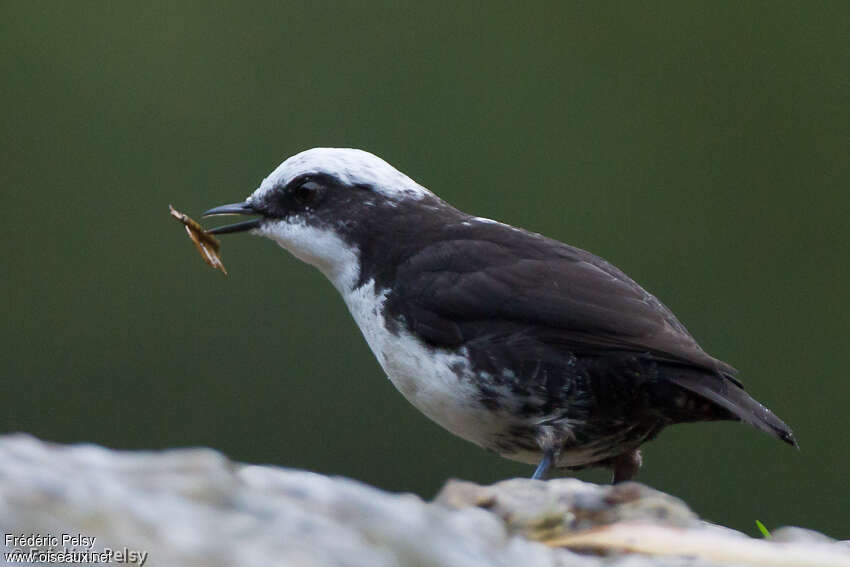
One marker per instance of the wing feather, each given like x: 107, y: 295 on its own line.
x: 523, y: 302
x: 568, y: 295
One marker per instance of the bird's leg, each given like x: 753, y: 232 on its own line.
x: 625, y: 466
x: 550, y: 443
x: 545, y: 463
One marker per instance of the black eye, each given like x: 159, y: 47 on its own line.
x: 307, y: 192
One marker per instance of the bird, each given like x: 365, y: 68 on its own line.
x: 526, y: 346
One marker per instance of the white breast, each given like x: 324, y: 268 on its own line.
x: 438, y: 383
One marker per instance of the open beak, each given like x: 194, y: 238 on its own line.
x: 234, y: 209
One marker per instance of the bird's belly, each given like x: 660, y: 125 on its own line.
x: 438, y: 383
x: 432, y: 383
x: 443, y: 386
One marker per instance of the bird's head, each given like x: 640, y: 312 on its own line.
x: 319, y: 203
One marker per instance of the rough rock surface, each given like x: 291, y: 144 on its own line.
x: 195, y: 507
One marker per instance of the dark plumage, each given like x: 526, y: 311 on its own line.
x: 578, y: 362
x: 580, y: 339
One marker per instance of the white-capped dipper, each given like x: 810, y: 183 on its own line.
x: 526, y: 346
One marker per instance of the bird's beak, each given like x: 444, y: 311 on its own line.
x: 234, y: 209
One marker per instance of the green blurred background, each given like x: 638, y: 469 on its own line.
x: 702, y: 147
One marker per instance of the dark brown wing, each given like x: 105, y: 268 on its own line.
x: 570, y: 295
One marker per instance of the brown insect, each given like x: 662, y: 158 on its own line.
x: 207, y: 244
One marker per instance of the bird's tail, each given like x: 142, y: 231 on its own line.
x: 731, y: 397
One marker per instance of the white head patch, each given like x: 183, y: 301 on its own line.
x: 351, y: 167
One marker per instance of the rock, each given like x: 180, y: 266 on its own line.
x: 794, y: 534
x: 191, y: 507
x: 545, y: 509
x: 631, y: 517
